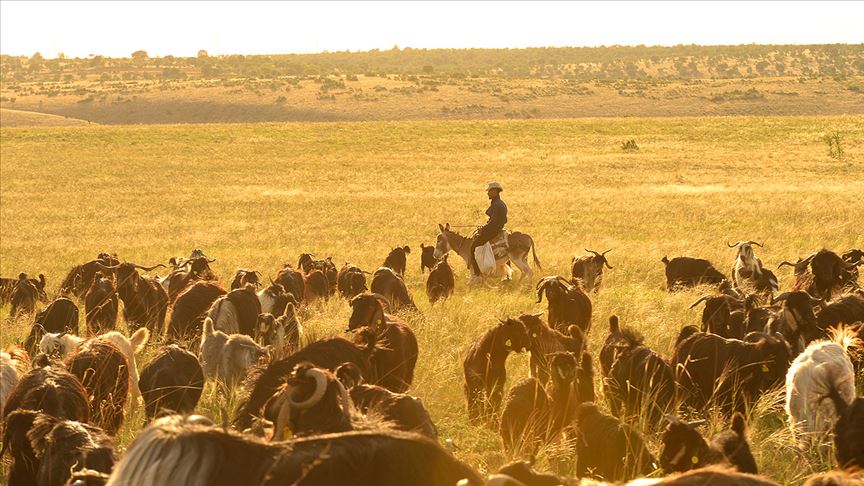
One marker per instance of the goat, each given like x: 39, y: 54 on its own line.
x: 13, y: 364
x: 317, y: 286
x: 823, y: 366
x: 61, y: 315
x: 274, y: 299
x: 608, y: 448
x: 292, y: 281
x: 795, y: 319
x: 846, y: 309
x: 546, y: 341
x: 104, y: 372
x: 533, y: 416
x: 64, y: 446
x: 350, y: 281
x: 397, y: 260
x: 180, y: 279
x: 836, y: 478
x: 485, y: 373
x: 145, y: 301
x: 326, y: 266
x: 588, y: 269
x: 718, y: 316
x: 403, y: 411
x: 756, y: 317
x: 441, y: 281
x: 748, y: 272
x: 190, y: 308
x: 171, y: 382
x: 63, y: 344
x: 311, y: 402
x: 50, y: 390
x: 24, y: 296
x: 427, y: 257
x: 8, y: 286
x: 80, y: 277
x: 831, y: 274
x: 395, y: 353
x: 101, y: 304
x: 684, y: 448
x: 282, y: 333
x: 226, y: 358
x: 709, y: 367
x: 162, y: 453
x: 245, y: 276
x: 568, y: 304
x: 388, y: 283
x: 848, y: 430
x: 635, y: 378
x: 690, y: 272
x: 237, y: 311
x: 264, y: 380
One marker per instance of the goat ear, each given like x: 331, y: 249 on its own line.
x: 407, y: 249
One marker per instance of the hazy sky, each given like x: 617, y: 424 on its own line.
x: 182, y: 28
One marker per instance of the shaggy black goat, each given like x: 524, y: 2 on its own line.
x: 568, y: 304
x: 171, y: 382
x: 607, y: 448
x: 684, y: 448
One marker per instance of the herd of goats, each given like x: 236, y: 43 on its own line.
x: 336, y: 411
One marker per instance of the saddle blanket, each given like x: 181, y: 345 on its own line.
x: 499, y: 245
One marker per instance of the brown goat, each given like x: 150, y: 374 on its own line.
x: 24, y: 296
x: 145, y: 301
x: 101, y: 305
x: 485, y: 373
x: 395, y: 354
x: 403, y: 411
x: 427, y: 257
x: 171, y: 382
x: 60, y: 316
x: 728, y: 371
x: 245, y: 276
x: 104, y: 372
x: 723, y: 315
x: 396, y: 260
x: 8, y: 286
x: 351, y: 281
x: 80, y: 277
x: 317, y: 286
x: 684, y: 448
x: 264, y: 380
x: 180, y: 279
x: 441, y: 282
x: 607, y: 448
x: 546, y: 341
x: 326, y: 266
x: 568, y: 304
x: 237, y: 311
x: 311, y: 402
x: 292, y: 281
x: 388, y: 283
x: 190, y: 308
x: 533, y: 416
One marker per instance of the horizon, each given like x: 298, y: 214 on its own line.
x: 181, y: 29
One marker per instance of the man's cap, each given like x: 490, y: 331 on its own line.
x: 494, y: 185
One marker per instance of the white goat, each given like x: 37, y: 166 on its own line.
x: 64, y: 343
x: 13, y: 364
x: 822, y: 366
x: 227, y: 357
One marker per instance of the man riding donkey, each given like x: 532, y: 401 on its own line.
x: 497, y: 213
x: 507, y: 247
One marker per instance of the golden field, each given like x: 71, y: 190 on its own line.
x: 257, y: 195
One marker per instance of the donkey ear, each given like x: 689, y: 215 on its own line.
x: 407, y: 249
x: 447, y: 226
x: 440, y: 227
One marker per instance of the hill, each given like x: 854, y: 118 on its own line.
x: 18, y: 118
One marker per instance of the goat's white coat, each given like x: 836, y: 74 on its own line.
x: 267, y: 300
x: 10, y: 374
x: 65, y: 344
x: 823, y: 365
x: 227, y: 357
x: 224, y: 316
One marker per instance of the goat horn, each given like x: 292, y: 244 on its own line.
x: 758, y: 244
x: 320, y: 388
x: 149, y: 269
x: 346, y: 402
x: 701, y: 299
x: 784, y: 263
x: 695, y: 423
x: 592, y: 251
x: 732, y: 246
x: 605, y: 252
x: 210, y: 260
x: 780, y: 298
x: 106, y: 267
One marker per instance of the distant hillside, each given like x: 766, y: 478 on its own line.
x: 19, y: 118
x: 580, y: 63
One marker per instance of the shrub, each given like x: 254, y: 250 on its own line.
x: 834, y: 140
x: 630, y: 146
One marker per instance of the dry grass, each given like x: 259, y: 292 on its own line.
x: 18, y: 118
x: 392, y: 98
x: 258, y: 195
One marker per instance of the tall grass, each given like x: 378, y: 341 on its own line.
x: 256, y: 196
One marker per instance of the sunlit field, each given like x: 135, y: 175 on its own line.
x: 256, y: 196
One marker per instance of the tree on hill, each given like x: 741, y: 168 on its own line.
x: 139, y: 55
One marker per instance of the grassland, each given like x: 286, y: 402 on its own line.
x: 258, y: 195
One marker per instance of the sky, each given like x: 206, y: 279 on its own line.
x: 117, y: 29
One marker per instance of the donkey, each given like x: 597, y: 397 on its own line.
x: 519, y: 244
